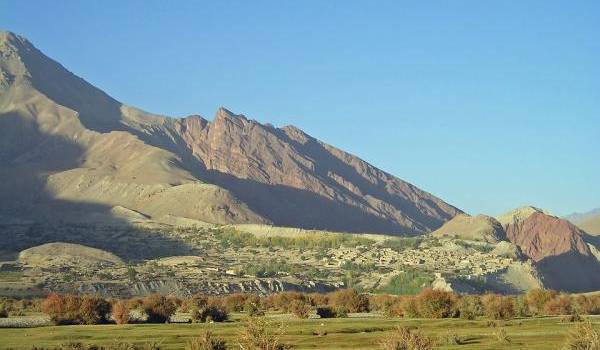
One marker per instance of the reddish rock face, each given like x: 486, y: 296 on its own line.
x: 559, y: 250
x: 295, y: 180
x: 540, y: 236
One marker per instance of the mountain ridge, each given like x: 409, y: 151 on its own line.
x: 261, y: 174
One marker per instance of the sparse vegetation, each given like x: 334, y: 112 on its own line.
x: 206, y: 341
x: 261, y: 334
x: 405, y: 339
x: 583, y: 337
x: 407, y: 282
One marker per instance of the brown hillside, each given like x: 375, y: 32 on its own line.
x: 66, y: 144
x: 475, y: 228
x: 559, y: 250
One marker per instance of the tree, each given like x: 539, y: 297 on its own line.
x: 158, y: 308
x: 94, y: 310
x: 498, y: 307
x: 300, y: 309
x: 120, y: 312
x: 349, y: 300
x: 560, y: 305
x: 434, y: 303
x: 537, y: 298
x: 470, y: 306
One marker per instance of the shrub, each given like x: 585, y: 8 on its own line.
x: 283, y: 301
x: 583, y: 337
x: 115, y: 346
x: 325, y: 312
x: 319, y: 299
x: 407, y: 283
x: 502, y: 336
x: 61, y: 309
x: 236, y: 302
x: 498, y: 307
x: 214, y: 312
x: 120, y: 312
x: 390, y: 306
x: 560, y: 305
x: 300, y: 309
x: 198, y: 301
x: 404, y: 339
x: 573, y: 317
x: 3, y: 312
x: 450, y: 338
x: 521, y: 307
x: 587, y: 305
x: 349, y: 300
x: 470, y: 307
x: 537, y: 298
x: 94, y: 310
x: 253, y: 307
x: 158, y: 308
x: 207, y: 341
x: 260, y: 334
x: 410, y: 308
x: 433, y: 303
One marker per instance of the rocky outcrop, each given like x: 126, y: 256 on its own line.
x: 559, y: 250
x: 184, y: 288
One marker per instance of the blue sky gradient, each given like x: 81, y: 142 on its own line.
x: 488, y: 104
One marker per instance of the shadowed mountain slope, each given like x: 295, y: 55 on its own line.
x: 560, y: 251
x: 62, y: 139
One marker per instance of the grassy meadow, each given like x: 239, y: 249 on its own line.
x: 360, y: 332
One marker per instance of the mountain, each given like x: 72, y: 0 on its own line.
x: 474, y: 228
x: 559, y: 250
x: 519, y: 214
x: 591, y: 225
x: 68, y: 150
x: 589, y: 221
x: 578, y: 218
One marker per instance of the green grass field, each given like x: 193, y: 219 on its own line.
x: 350, y: 333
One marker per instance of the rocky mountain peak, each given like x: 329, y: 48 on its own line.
x: 541, y: 235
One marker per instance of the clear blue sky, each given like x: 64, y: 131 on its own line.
x: 488, y: 104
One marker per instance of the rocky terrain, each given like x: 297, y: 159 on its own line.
x: 246, y: 258
x: 560, y: 251
x: 70, y: 151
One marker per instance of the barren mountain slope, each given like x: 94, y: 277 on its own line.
x: 295, y: 180
x: 559, y: 250
x: 76, y: 144
x: 64, y: 155
x: 475, y: 228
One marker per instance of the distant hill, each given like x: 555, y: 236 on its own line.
x: 591, y: 225
x: 578, y: 218
x: 69, y: 150
x: 478, y: 228
x: 589, y: 221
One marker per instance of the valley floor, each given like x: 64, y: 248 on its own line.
x: 360, y: 332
